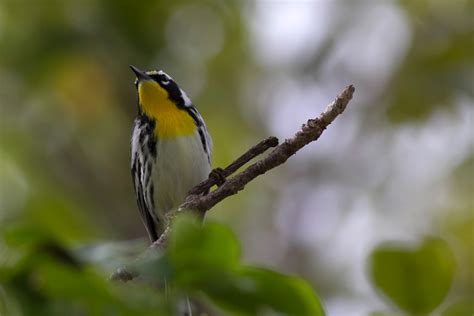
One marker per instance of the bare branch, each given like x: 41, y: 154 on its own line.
x: 253, y: 152
x: 197, y: 199
x: 308, y: 133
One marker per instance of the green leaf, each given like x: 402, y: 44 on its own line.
x: 210, y: 247
x: 286, y: 294
x: 464, y: 307
x: 416, y: 280
x: 24, y: 235
x: 66, y: 282
x: 85, y: 288
x: 151, y: 266
x: 253, y: 290
x: 205, y: 259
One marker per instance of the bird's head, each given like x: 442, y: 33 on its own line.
x: 156, y: 89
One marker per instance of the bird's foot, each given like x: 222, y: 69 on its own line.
x: 218, y: 175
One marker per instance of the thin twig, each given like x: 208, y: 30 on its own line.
x: 198, y: 201
x: 253, y: 152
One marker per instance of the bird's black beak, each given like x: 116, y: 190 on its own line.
x: 141, y: 75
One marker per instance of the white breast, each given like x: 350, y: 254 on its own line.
x: 181, y: 163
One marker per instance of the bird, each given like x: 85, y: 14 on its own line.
x: 170, y: 148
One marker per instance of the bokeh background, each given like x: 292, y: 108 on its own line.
x: 398, y: 165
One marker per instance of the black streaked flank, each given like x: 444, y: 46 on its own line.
x: 147, y: 127
x: 142, y: 205
x: 142, y: 170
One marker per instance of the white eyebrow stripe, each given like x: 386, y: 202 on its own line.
x: 152, y: 72
x: 158, y: 72
x: 184, y: 96
x: 161, y: 72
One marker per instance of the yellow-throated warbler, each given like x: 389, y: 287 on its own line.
x: 171, y: 148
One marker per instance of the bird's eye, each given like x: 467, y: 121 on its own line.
x: 165, y: 82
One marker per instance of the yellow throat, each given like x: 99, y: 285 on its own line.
x: 171, y: 121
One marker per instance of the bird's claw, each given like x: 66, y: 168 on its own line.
x: 218, y: 175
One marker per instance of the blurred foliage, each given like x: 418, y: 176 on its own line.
x: 464, y: 307
x: 416, y: 280
x: 207, y: 260
x: 45, y: 278
x: 41, y: 275
x: 67, y: 103
x: 460, y: 231
x: 441, y: 44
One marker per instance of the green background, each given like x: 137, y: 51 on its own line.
x: 396, y: 167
